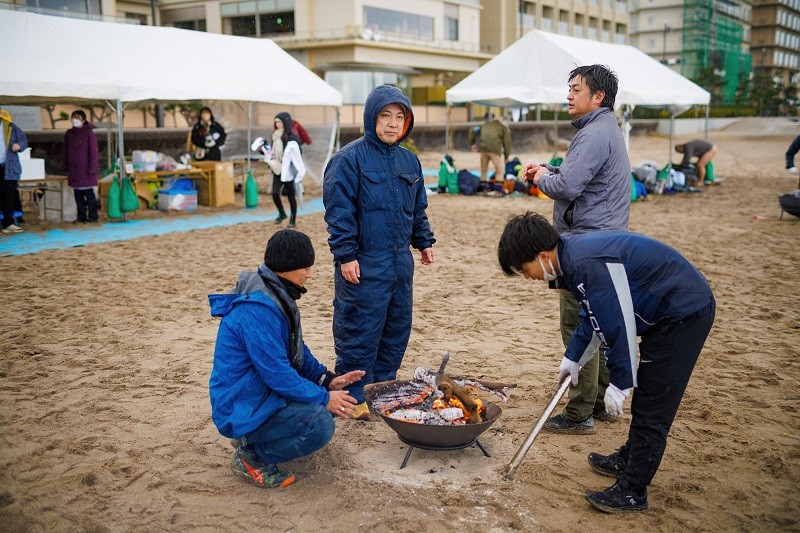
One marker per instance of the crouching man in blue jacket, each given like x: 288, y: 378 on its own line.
x: 628, y: 285
x: 268, y: 392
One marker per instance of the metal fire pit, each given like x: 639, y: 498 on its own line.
x: 432, y: 437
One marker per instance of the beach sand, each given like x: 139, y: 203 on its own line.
x: 107, y: 350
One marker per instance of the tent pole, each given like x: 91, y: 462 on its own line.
x: 447, y: 127
x: 121, y: 149
x: 555, y: 129
x: 333, y: 143
x: 671, y: 132
x: 249, y: 134
x: 708, y: 112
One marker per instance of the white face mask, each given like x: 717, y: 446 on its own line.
x: 546, y: 275
x: 77, y: 122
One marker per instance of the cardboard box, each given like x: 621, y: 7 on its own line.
x: 219, y: 190
x: 177, y: 200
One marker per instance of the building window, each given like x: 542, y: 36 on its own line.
x: 138, y: 17
x: 398, y: 24
x: 356, y: 85
x: 191, y: 18
x: 451, y: 22
x: 89, y: 7
x: 258, y: 19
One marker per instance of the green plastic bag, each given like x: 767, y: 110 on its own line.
x: 555, y: 161
x: 128, y: 199
x: 250, y: 191
x: 112, y: 200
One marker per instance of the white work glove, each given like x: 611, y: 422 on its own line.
x: 614, y: 399
x: 568, y: 367
x: 215, y: 136
x: 793, y: 170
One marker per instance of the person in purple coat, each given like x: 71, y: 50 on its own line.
x: 80, y: 162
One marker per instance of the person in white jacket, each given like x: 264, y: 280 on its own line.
x: 287, y: 167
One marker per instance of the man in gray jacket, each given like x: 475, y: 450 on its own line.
x: 591, y: 190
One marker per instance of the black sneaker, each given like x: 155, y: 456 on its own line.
x: 609, y: 465
x: 562, y: 424
x: 280, y: 218
x: 601, y: 415
x: 266, y: 475
x: 618, y: 499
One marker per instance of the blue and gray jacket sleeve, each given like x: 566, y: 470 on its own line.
x: 421, y: 236
x: 606, y: 316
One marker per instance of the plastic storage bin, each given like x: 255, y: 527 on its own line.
x: 177, y: 200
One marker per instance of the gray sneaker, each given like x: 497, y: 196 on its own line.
x: 562, y: 424
x: 601, y: 415
x: 13, y: 228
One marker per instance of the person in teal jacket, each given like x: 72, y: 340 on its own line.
x: 268, y: 392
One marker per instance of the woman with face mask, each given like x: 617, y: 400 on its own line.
x: 80, y: 157
x: 208, y: 136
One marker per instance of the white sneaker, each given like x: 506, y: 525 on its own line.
x: 13, y: 228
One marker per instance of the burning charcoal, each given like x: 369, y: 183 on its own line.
x: 499, y: 389
x: 451, y: 413
x: 417, y: 416
x: 407, y: 394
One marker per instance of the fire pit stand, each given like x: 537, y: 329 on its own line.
x: 412, y: 445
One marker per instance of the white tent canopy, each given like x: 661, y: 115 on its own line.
x: 534, y: 70
x: 59, y: 59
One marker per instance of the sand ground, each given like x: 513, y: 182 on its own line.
x: 107, y: 349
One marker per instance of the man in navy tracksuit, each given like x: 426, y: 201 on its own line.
x: 628, y: 285
x: 375, y: 201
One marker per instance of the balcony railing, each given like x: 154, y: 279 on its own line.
x: 350, y: 32
x: 606, y: 36
x: 526, y: 21
x: 563, y: 28
x: 547, y: 24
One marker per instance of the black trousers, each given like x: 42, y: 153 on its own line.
x: 86, y: 201
x: 288, y: 189
x: 666, y: 359
x: 8, y: 197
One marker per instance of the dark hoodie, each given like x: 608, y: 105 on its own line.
x: 374, y: 193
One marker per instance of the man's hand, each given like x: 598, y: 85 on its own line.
x: 473, y: 147
x: 340, y: 382
x: 15, y: 147
x: 531, y: 169
x: 341, y: 404
x: 568, y: 367
x: 614, y: 398
x: 793, y: 170
x: 426, y: 256
x: 351, y: 272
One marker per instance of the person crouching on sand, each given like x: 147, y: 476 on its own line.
x: 628, y: 285
x: 268, y: 392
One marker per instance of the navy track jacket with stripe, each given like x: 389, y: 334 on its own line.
x: 626, y: 283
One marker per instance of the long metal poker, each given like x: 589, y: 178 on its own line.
x: 520, y: 455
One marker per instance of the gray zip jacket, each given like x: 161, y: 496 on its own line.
x: 592, y: 187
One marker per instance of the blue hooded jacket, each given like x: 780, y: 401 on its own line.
x: 373, y: 192
x: 627, y: 284
x: 253, y: 376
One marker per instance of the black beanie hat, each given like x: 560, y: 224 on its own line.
x: 288, y: 250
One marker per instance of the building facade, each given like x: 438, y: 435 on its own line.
x: 504, y: 21
x: 776, y: 39
x: 697, y: 37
